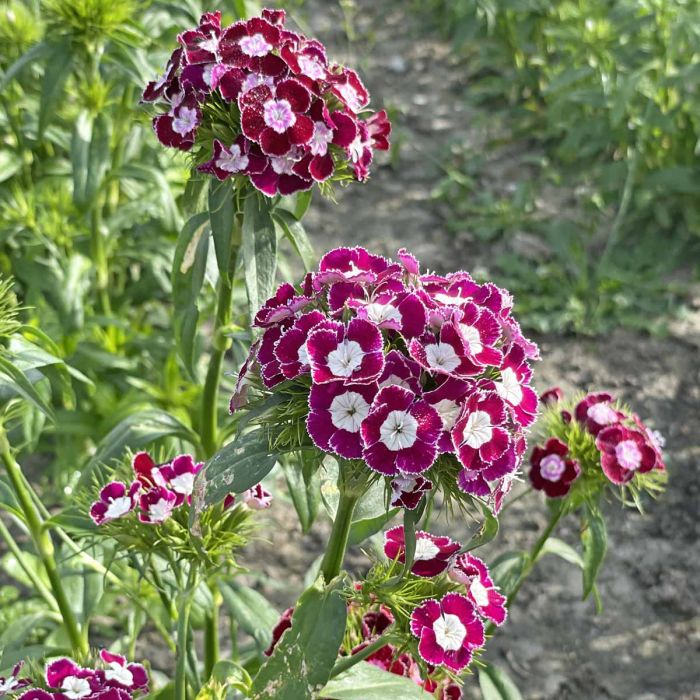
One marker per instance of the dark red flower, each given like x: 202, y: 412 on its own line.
x: 551, y: 471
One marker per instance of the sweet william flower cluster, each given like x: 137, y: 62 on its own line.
x: 417, y: 375
x: 265, y: 103
x: 114, y: 679
x: 624, y: 448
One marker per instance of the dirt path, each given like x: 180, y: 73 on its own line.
x: 646, y: 645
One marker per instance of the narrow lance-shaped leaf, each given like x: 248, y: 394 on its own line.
x: 258, y: 252
x: 594, y: 537
x: 79, y: 155
x: 99, y: 156
x: 368, y: 682
x: 222, y: 210
x: 294, y: 231
x: 252, y: 611
x: 495, y: 684
x: 189, y: 267
x: 58, y: 66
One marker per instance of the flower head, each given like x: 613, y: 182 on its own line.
x: 12, y: 684
x: 596, y: 411
x: 432, y: 556
x: 480, y: 589
x: 449, y: 630
x: 553, y: 471
x: 257, y: 497
x: 116, y: 500
x: 624, y: 452
x: 297, y: 115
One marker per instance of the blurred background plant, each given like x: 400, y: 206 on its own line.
x: 597, y: 102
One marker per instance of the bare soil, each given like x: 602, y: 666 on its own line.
x: 646, y: 644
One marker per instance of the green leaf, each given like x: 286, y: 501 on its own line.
x: 252, y: 611
x: 36, y: 52
x: 563, y: 550
x: 222, y: 210
x: 233, y: 469
x: 364, y: 681
x: 134, y: 432
x: 294, y: 231
x: 495, y: 684
x: 59, y: 62
x: 303, y: 201
x: 594, y: 538
x: 304, y: 657
x: 10, y: 163
x: 79, y: 156
x: 487, y: 532
x: 507, y: 568
x: 189, y: 267
x: 99, y: 155
x: 258, y: 252
x: 301, y: 470
x: 19, y: 381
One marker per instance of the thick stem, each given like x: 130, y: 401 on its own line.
x: 209, y: 423
x: 44, y: 547
x: 532, y: 558
x: 338, y: 541
x: 183, y: 629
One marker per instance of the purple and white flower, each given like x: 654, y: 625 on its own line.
x: 433, y: 554
x: 116, y: 500
x: 157, y: 505
x: 481, y: 591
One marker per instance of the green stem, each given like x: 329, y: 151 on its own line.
x: 183, y: 628
x: 44, y: 547
x: 349, y: 661
x: 532, y: 558
x: 209, y: 423
x: 36, y: 582
x: 211, y: 635
x: 338, y: 541
x: 99, y: 257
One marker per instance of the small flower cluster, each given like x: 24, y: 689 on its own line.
x: 622, y: 446
x: 406, y: 371
x: 158, y: 490
x: 449, y: 629
x: 116, y: 679
x: 267, y: 104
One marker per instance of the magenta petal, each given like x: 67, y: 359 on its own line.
x: 424, y: 616
x: 266, y: 181
x: 252, y: 122
x: 321, y: 167
x: 429, y: 649
x: 59, y: 669
x: 295, y: 93
x: 272, y: 143
x: 301, y: 131
x: 289, y: 184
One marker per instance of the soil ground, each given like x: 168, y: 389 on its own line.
x: 646, y: 644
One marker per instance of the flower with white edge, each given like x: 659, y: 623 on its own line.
x: 116, y: 500
x: 480, y: 589
x: 449, y: 630
x: 432, y: 556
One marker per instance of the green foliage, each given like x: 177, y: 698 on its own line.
x: 366, y: 681
x: 600, y: 99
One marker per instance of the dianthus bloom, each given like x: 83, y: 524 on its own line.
x: 449, y: 630
x: 159, y: 490
x: 595, y: 437
x: 404, y: 371
x: 114, y: 679
x: 552, y: 470
x: 433, y: 553
x: 481, y: 590
x: 292, y: 117
x: 12, y: 683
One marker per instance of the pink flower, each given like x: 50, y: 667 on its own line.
x: 238, y: 158
x: 596, y: 412
x: 407, y: 491
x: 448, y: 400
x: 291, y: 351
x: 157, y: 505
x: 551, y: 396
x: 337, y: 412
x: 178, y: 476
x: 120, y: 674
x: 433, y: 553
x: 355, y: 265
x: 481, y: 591
x: 116, y: 500
x: 346, y: 353
x: 447, y: 354
x: 400, y: 433
x: 655, y: 439
x: 481, y: 436
x: 144, y: 466
x: 12, y: 684
x: 514, y: 386
x: 400, y: 370
x: 551, y: 471
x: 270, y: 367
x: 283, y: 306
x: 74, y: 681
x: 376, y: 622
x: 257, y: 497
x: 623, y: 453
x: 449, y: 630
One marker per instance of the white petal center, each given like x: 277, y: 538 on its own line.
x: 471, y: 335
x: 552, y: 467
x: 184, y: 483
x: 602, y: 414
x: 346, y: 358
x: 449, y: 412
x: 118, y: 507
x: 442, y: 356
x: 426, y: 549
x: 232, y: 161
x: 449, y: 632
x: 478, y: 429
x: 159, y: 511
x: 381, y: 313
x: 120, y: 674
x: 399, y: 430
x: 628, y: 455
x: 479, y: 592
x: 74, y: 687
x: 349, y: 410
x: 509, y: 388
